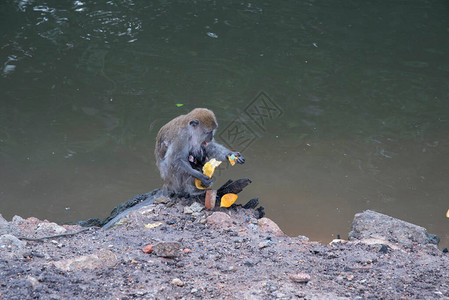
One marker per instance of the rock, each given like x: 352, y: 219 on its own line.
x: 148, y: 248
x: 263, y: 244
x: 46, y: 228
x: 32, y: 281
x: 219, y: 219
x: 197, y: 215
x: 161, y: 199
x: 194, y: 208
x: 268, y: 226
x: 337, y: 241
x: 177, y: 282
x: 300, y: 277
x: 373, y: 225
x: 103, y: 259
x: 303, y: 238
x: 4, y: 226
x: 17, y: 220
x: 167, y: 249
x: 11, y: 247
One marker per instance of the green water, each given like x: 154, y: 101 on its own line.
x: 360, y: 91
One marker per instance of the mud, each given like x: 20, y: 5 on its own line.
x: 221, y: 254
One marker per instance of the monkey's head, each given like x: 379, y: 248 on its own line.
x: 202, y: 125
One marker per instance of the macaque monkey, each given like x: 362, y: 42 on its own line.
x: 183, y: 146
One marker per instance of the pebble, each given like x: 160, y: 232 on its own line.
x: 167, y: 249
x: 194, y: 208
x: 162, y: 199
x: 263, y: 244
x: 148, y: 248
x: 177, y: 282
x: 300, y: 277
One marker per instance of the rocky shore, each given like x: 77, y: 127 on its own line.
x: 179, y: 250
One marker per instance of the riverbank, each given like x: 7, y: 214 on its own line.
x: 165, y: 251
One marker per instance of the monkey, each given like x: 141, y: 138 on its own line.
x: 183, y: 146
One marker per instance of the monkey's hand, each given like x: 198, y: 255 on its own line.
x: 205, y: 180
x: 238, y: 157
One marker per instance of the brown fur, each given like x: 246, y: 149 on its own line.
x: 171, y: 130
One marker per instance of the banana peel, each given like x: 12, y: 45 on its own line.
x: 228, y: 199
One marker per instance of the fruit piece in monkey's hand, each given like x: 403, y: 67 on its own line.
x: 232, y: 159
x: 236, y: 157
x: 208, y: 170
x: 228, y: 199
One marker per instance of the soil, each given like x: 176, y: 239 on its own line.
x: 221, y: 254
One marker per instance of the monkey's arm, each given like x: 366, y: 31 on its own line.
x: 186, y: 167
x: 220, y: 152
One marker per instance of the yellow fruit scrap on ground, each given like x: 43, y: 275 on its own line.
x: 228, y: 199
x: 208, y: 170
x: 153, y: 225
x: 447, y: 214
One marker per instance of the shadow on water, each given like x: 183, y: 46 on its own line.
x: 85, y: 86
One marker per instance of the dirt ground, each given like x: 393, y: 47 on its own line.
x: 220, y: 254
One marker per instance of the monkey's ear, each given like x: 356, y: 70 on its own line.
x: 194, y: 123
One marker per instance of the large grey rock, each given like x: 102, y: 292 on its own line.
x: 11, y: 247
x: 268, y: 226
x: 373, y: 225
x: 4, y: 226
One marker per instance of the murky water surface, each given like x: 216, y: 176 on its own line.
x: 354, y: 109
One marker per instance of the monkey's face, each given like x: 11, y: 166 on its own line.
x: 209, y: 135
x: 200, y: 135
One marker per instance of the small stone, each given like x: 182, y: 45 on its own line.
x: 187, y: 251
x: 194, y: 208
x: 167, y: 249
x: 263, y: 244
x: 148, y: 248
x: 50, y: 227
x: 197, y: 215
x: 219, y: 219
x: 193, y: 291
x: 162, y: 199
x: 177, y: 282
x: 300, y: 277
x: 33, y: 281
x: 303, y: 238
